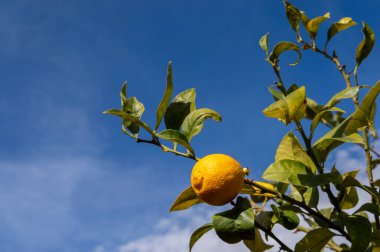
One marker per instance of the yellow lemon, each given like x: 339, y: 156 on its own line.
x: 217, y: 179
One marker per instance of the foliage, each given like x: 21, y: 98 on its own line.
x: 289, y: 195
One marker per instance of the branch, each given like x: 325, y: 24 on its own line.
x: 283, y: 246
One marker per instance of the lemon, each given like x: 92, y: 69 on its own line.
x: 217, y: 179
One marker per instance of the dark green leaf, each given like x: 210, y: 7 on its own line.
x: 193, y: 122
x: 175, y: 137
x: 186, y: 199
x: 312, y: 25
x: 123, y: 95
x: 166, y: 98
x: 369, y: 207
x: 309, y: 195
x: 359, y: 230
x: 287, y: 218
x: 264, y: 43
x: 315, y: 240
x: 366, y: 45
x: 286, y: 171
x: 134, y: 108
x: 351, y: 181
x: 317, y: 180
x: 257, y: 244
x: 291, y: 108
x: 236, y: 224
x: 283, y: 47
x: 265, y: 219
x: 290, y: 148
x: 199, y: 233
x: 339, y: 26
x: 182, y: 105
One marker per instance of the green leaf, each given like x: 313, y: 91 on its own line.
x: 290, y: 148
x: 182, y: 105
x: 315, y: 240
x: 277, y: 94
x: 369, y: 207
x: 291, y: 108
x: 309, y: 195
x: 317, y: 119
x: 199, y: 233
x: 193, y: 122
x: 351, y: 181
x: 286, y: 171
x: 166, y: 98
x: 236, y: 224
x: 366, y: 45
x: 347, y: 93
x: 339, y: 26
x: 134, y: 108
x: 286, y: 218
x: 313, y: 180
x: 359, y: 230
x: 362, y: 116
x: 293, y: 15
x: 312, y: 25
x: 123, y: 94
x: 257, y: 244
x: 335, y: 137
x: 131, y: 118
x: 186, y: 199
x: 264, y: 43
x: 176, y: 137
x: 350, y: 198
x: 283, y: 47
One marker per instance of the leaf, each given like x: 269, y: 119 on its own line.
x: 366, y: 45
x: 319, y: 117
x: 361, y: 117
x: 134, y: 108
x: 283, y: 47
x: 350, y: 198
x: 369, y: 207
x: 315, y: 240
x: 308, y: 195
x: 332, y: 139
x: 277, y: 94
x: 176, y: 137
x: 286, y: 218
x: 236, y: 224
x: 285, y: 171
x: 359, y: 230
x: 312, y: 25
x: 315, y: 180
x: 186, y: 199
x: 291, y: 108
x: 293, y: 15
x: 125, y: 116
x: 166, y: 98
x: 257, y: 244
x: 264, y: 43
x: 180, y: 107
x: 123, y: 94
x: 339, y: 26
x: 199, y: 233
x: 347, y: 93
x: 193, y: 122
x: 351, y: 181
x: 290, y: 148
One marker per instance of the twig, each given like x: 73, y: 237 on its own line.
x: 283, y: 246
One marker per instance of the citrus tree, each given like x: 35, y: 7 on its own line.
x: 292, y: 185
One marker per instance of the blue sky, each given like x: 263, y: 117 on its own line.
x: 69, y: 179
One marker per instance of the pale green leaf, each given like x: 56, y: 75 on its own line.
x: 315, y: 240
x: 290, y: 148
x: 176, y: 137
x: 283, y: 47
x: 257, y: 244
x: 290, y: 108
x: 193, y: 122
x: 133, y: 119
x: 286, y: 171
x: 339, y: 26
x: 347, y: 93
x: 312, y: 25
x: 317, y: 119
x: 199, y: 233
x: 264, y: 43
x: 166, y: 98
